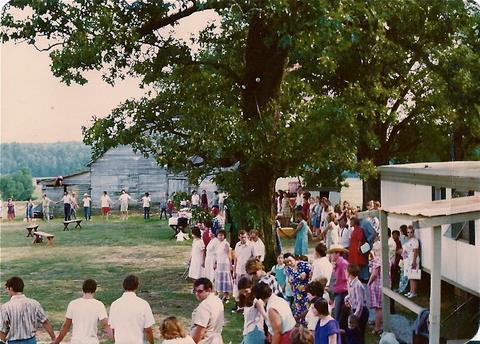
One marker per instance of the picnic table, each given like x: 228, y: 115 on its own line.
x: 40, y: 235
x: 179, y: 223
x: 66, y: 223
x: 30, y: 229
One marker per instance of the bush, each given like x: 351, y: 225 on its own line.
x: 18, y: 186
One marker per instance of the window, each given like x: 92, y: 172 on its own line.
x: 464, y: 231
x: 438, y: 193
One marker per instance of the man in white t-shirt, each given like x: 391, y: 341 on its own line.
x: 131, y: 317
x: 207, y: 318
x: 84, y: 313
x: 195, y: 200
x: 258, y: 245
x: 124, y: 197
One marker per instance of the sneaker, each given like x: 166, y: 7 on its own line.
x: 412, y: 295
x: 407, y: 294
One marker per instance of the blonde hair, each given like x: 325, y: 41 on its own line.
x: 254, y: 264
x: 171, y: 328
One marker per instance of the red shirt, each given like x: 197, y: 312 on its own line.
x: 206, y: 236
x: 356, y: 240
x: 306, y: 210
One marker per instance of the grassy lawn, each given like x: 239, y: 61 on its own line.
x: 105, y: 251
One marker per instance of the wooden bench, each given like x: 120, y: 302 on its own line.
x: 30, y: 229
x: 66, y: 223
x: 40, y: 235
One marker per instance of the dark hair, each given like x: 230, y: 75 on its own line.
x: 403, y: 229
x: 261, y: 291
x: 147, y: 194
x: 303, y: 258
x: 104, y: 192
x: 196, y: 232
x: 321, y: 306
x: 208, y: 223
x: 356, y: 221
x: 89, y: 286
x: 301, y: 335
x: 222, y: 232
x: 130, y: 283
x: 353, y: 270
x: 203, y: 281
x: 321, y: 249
x: 286, y: 255
x: 316, y: 288
x: 15, y: 283
x: 244, y: 283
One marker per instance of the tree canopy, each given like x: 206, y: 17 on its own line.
x: 274, y: 87
x: 44, y: 159
x: 18, y: 186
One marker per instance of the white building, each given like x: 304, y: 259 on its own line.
x: 426, y: 182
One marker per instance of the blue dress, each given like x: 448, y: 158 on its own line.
x: 298, y: 280
x: 301, y: 240
x: 323, y: 332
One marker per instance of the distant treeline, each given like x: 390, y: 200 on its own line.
x: 44, y: 159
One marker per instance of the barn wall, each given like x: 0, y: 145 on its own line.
x: 121, y: 168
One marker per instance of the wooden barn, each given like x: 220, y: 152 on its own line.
x: 119, y: 168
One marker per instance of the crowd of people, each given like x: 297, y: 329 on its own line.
x: 323, y: 299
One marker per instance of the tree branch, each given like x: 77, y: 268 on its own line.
x: 160, y: 20
x: 49, y: 47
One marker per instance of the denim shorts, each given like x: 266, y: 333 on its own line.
x: 32, y: 340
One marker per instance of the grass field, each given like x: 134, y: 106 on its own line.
x: 105, y: 251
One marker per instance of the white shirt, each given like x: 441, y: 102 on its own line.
x: 85, y: 314
x: 321, y: 267
x: 243, y: 252
x: 105, y: 201
x: 195, y: 199
x: 258, y: 248
x: 344, y: 236
x: 146, y: 201
x: 392, y: 248
x: 129, y: 316
x: 124, y: 198
x: 86, y: 201
x: 179, y: 340
x: 209, y: 315
x: 67, y: 199
x: 311, y: 319
x: 252, y: 319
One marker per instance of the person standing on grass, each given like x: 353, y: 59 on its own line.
x: 258, y: 245
x: 84, y: 313
x: 29, y: 210
x: 20, y: 316
x: 46, y: 207
x: 124, y: 197
x: 163, y: 208
x: 147, y: 201
x: 10, y: 210
x: 74, y: 206
x: 87, y: 207
x: 208, y: 317
x: 131, y: 317
x: 356, y: 300
x: 105, y: 203
x: 195, y: 200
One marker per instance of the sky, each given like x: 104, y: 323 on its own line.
x: 36, y: 107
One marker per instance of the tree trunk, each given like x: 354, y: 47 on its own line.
x: 266, y: 215
x: 371, y: 191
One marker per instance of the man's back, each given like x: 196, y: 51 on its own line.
x: 21, y: 316
x: 85, y: 314
x: 129, y: 316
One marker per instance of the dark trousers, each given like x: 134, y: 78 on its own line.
x: 67, y: 211
x: 146, y: 213
x: 362, y: 324
x: 163, y: 211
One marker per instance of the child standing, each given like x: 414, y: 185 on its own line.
x: 29, y: 210
x: 352, y: 333
x: 278, y: 271
x: 10, y: 210
x: 253, y: 313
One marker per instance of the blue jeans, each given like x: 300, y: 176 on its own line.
x: 67, y: 210
x: 32, y: 340
x: 87, y: 213
x: 339, y: 300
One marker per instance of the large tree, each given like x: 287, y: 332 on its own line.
x: 274, y: 88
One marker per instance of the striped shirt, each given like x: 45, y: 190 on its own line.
x: 356, y: 296
x: 20, y: 317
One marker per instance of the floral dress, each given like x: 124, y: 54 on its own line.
x: 298, y: 279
